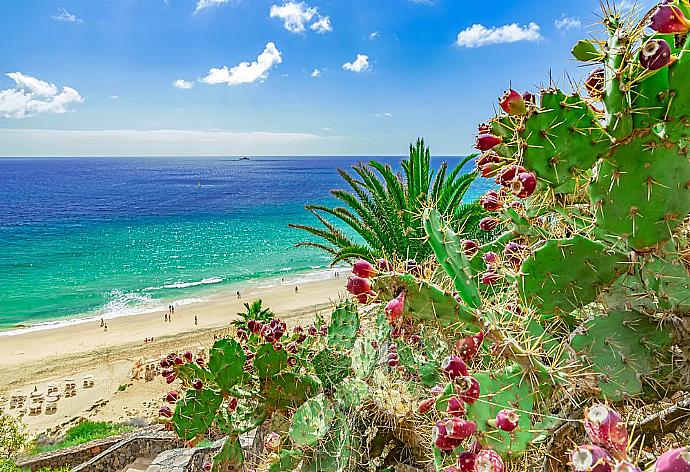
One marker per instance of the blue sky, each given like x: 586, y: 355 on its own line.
x: 98, y: 77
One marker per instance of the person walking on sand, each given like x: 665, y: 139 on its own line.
x: 238, y: 294
x: 166, y: 317
x: 105, y: 327
x: 296, y: 289
x: 102, y: 322
x: 196, y: 320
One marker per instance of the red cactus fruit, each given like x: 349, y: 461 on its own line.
x: 172, y: 396
x: 488, y: 158
x: 393, y: 362
x: 456, y: 407
x: 198, y: 384
x: 490, y: 277
x: 277, y: 346
x: 242, y: 335
x: 513, y: 103
x: 529, y: 98
x: 484, y: 128
x: 415, y: 339
x: 312, y: 330
x: 507, y: 420
x: 362, y: 268
x: 167, y: 372
x: 439, y: 435
x: 475, y: 447
x: 467, y: 388
x: 165, y: 411
x: 426, y: 405
x: 490, y: 170
x: 178, y: 360
x: 516, y: 205
x: 509, y: 174
x: 470, y: 247
x: 524, y: 184
x: 466, y: 461
x: 292, y: 347
x: 253, y: 326
x: 358, y: 285
x: 606, y: 428
x: 292, y: 361
x: 232, y: 404
x: 323, y: 331
x: 362, y: 299
x: 490, y: 201
x: 298, y: 329
x: 170, y: 379
x: 655, y: 54
x: 384, y: 265
x: 272, y: 442
x: 513, y: 252
x: 595, y: 83
x: 436, y: 390
x: 188, y: 356
x: 488, y: 460
x: 487, y: 141
x: 675, y: 460
x: 626, y: 466
x: 467, y: 348
x: 488, y: 223
x: 590, y: 458
x: 396, y: 333
x: 458, y: 428
x: 490, y: 258
x: 394, y: 308
x: 453, y: 366
x: 165, y: 363
x: 200, y: 361
x: 669, y: 19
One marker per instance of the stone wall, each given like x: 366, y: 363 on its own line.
x: 146, y: 444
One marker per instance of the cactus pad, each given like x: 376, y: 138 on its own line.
x: 331, y: 367
x: 344, y: 325
x: 290, y: 390
x: 226, y: 362
x: 229, y: 457
x: 364, y: 355
x: 563, y: 139
x: 507, y: 388
x: 350, y: 393
x: 565, y: 274
x: 288, y: 461
x: 423, y: 300
x: 335, y: 453
x: 621, y: 348
x: 642, y: 191
x: 269, y: 362
x: 311, y: 421
x: 194, y: 414
x: 669, y: 281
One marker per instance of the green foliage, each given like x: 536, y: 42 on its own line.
x: 195, y: 413
x: 226, y: 360
x: 312, y: 421
x: 13, y: 436
x: 384, y: 208
x: 84, y: 432
x: 344, y: 325
x: 253, y: 311
x: 269, y: 362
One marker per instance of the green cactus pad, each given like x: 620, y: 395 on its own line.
x: 586, y: 51
x: 350, y: 393
x: 290, y: 390
x: 449, y: 252
x: 642, y: 192
x: 331, y: 367
x: 565, y: 274
x: 194, y: 414
x: 622, y: 349
x: 669, y: 281
x: 229, y: 457
x: 364, y: 356
x: 423, y: 301
x: 335, y: 453
x: 269, y: 362
x: 311, y: 421
x: 247, y: 416
x: 288, y: 461
x: 344, y: 325
x: 226, y: 362
x: 563, y: 140
x: 505, y: 389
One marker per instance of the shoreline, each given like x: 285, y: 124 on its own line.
x: 204, y: 294
x: 35, y: 359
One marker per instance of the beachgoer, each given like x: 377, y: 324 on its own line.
x: 105, y: 327
x: 102, y: 323
x: 173, y: 308
x: 238, y: 294
x: 296, y: 289
x: 166, y: 317
x: 196, y: 320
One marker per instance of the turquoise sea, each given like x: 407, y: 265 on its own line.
x: 116, y: 236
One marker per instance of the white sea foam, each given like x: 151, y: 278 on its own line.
x: 208, y: 281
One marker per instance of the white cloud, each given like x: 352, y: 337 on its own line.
x: 182, y: 84
x: 326, y: 129
x: 384, y: 115
x: 359, y: 65
x: 201, y: 4
x: 479, y: 35
x: 374, y: 35
x: 114, y: 97
x: 565, y: 23
x: 423, y: 2
x: 322, y: 25
x: 315, y: 73
x: 67, y: 17
x: 296, y: 15
x: 32, y: 96
x: 246, y: 72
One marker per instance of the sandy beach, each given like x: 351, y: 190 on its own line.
x: 35, y: 359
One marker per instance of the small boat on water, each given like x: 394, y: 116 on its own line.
x: 245, y: 158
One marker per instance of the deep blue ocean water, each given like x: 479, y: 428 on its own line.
x: 112, y: 236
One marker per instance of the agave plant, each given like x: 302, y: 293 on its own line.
x: 384, y: 208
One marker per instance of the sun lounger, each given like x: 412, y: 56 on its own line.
x: 88, y: 381
x: 35, y: 409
